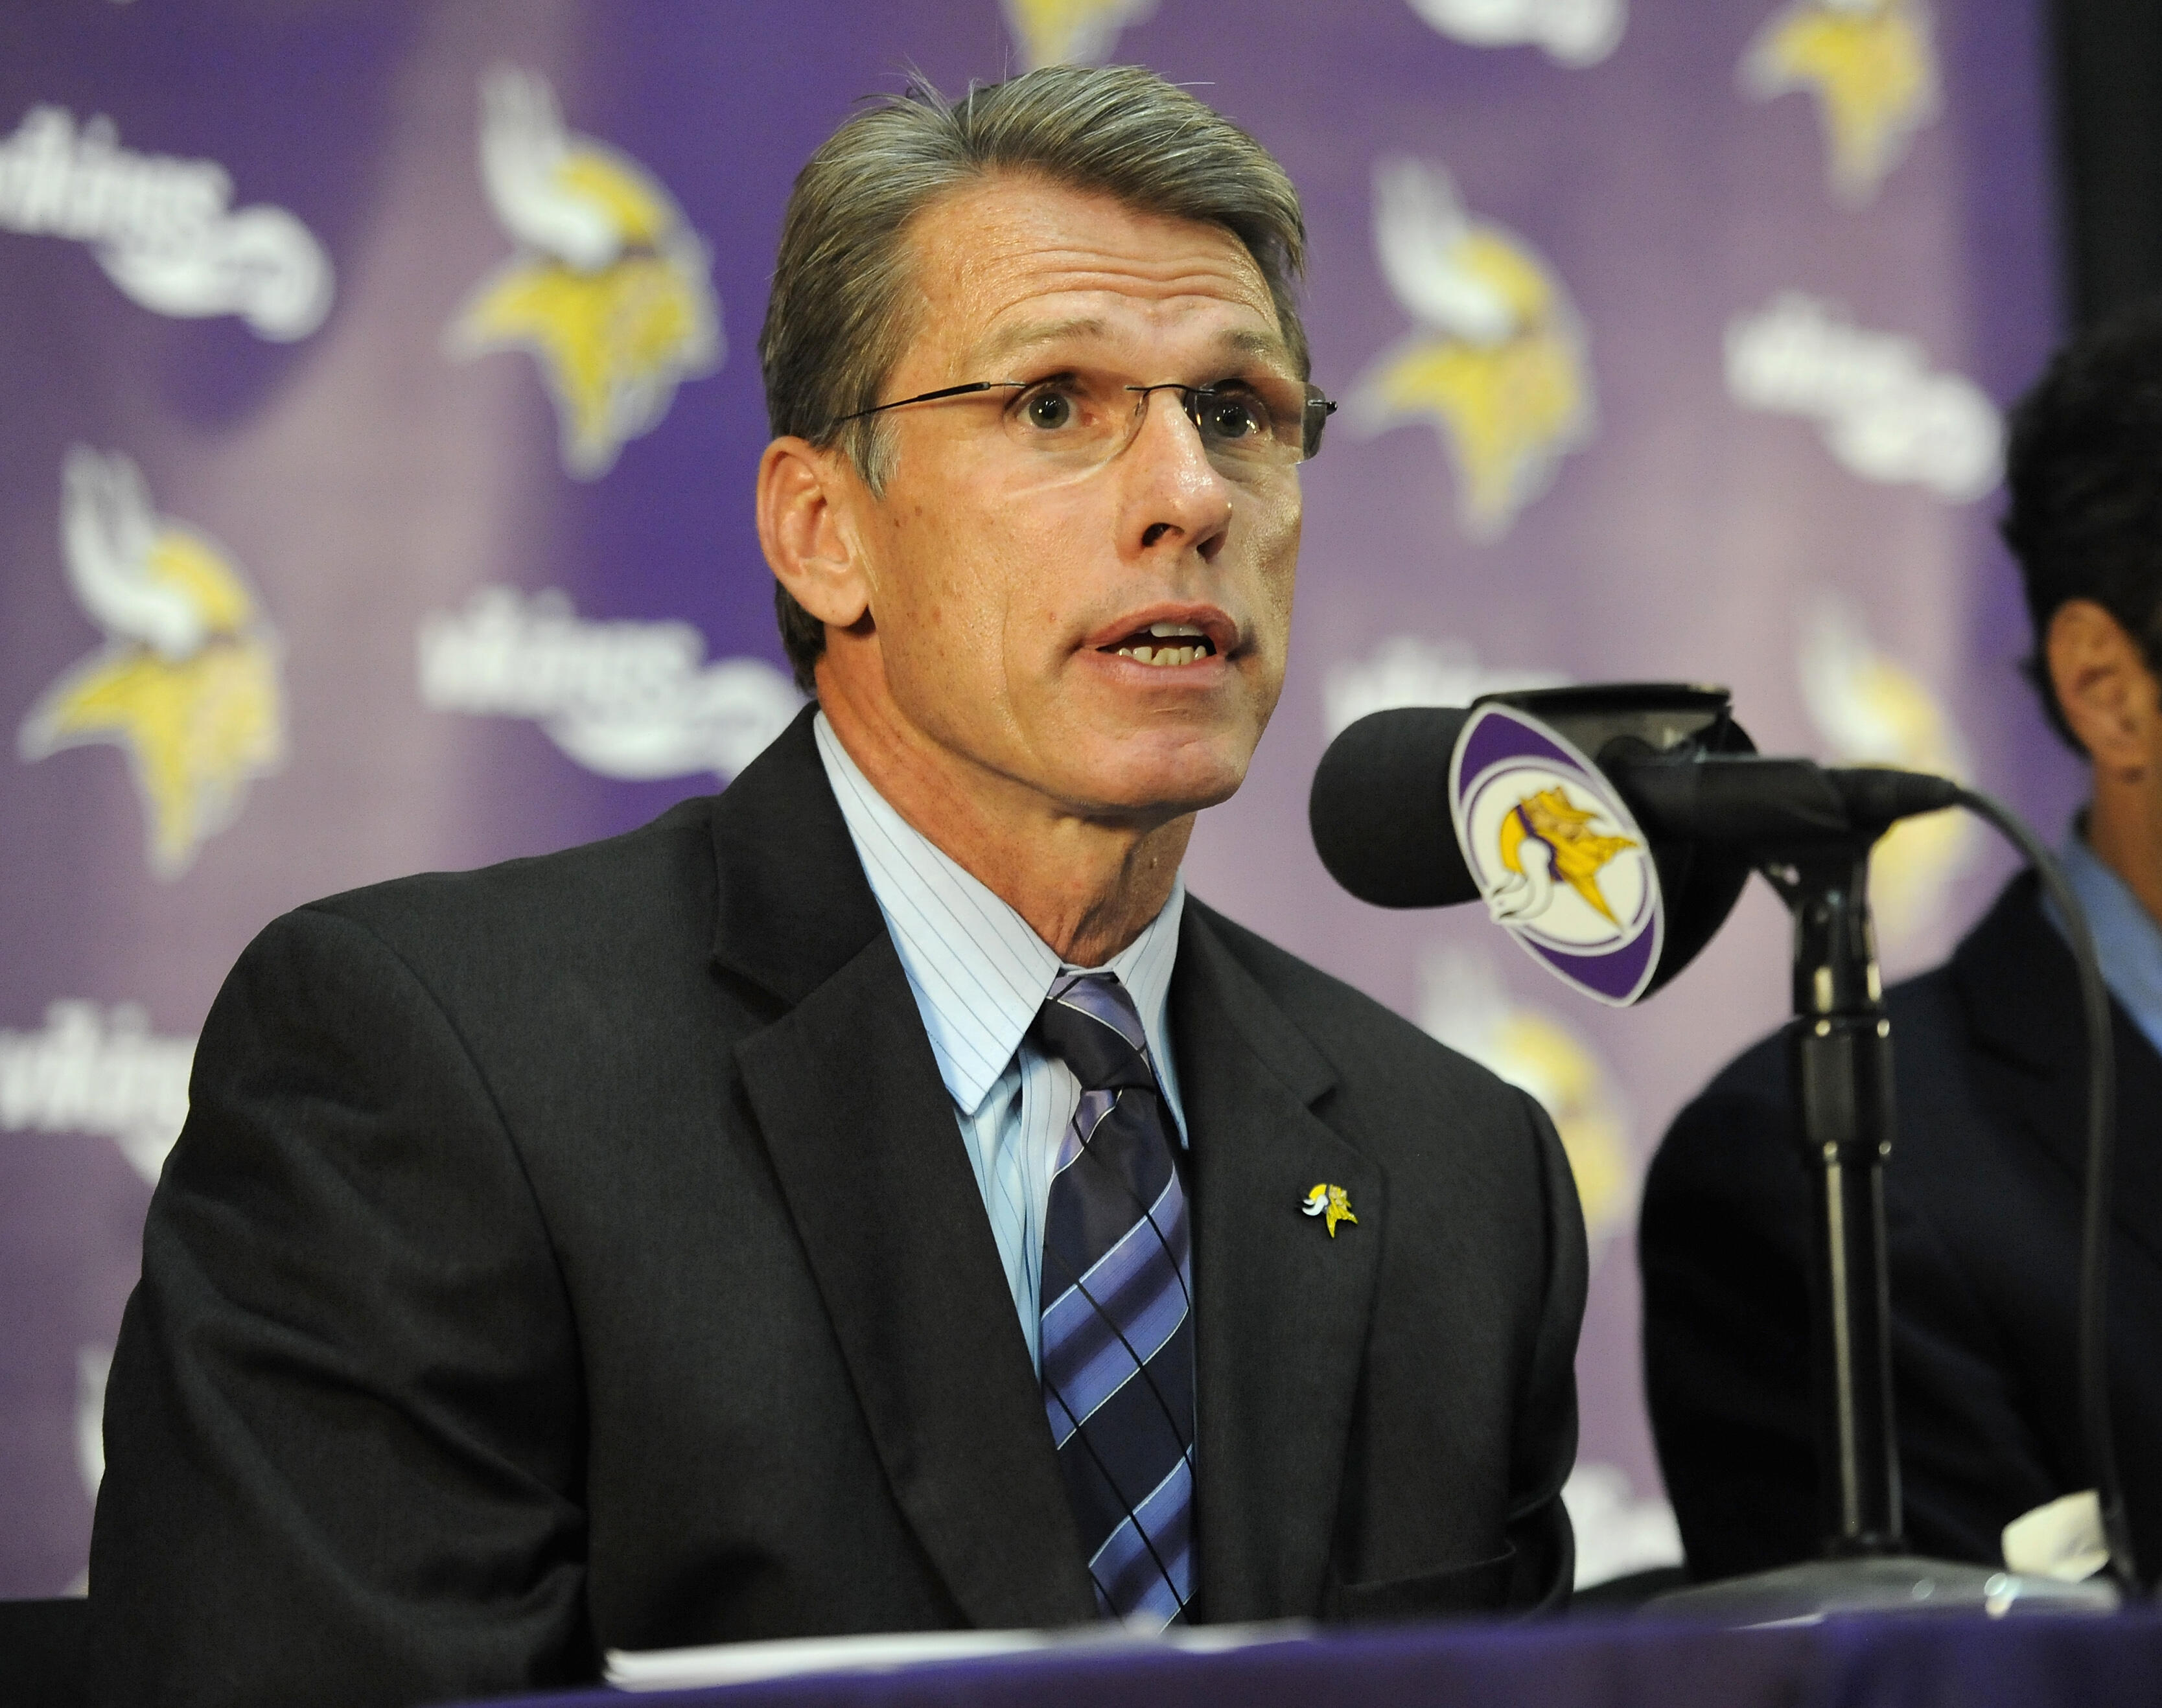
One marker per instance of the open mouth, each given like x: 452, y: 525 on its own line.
x: 1164, y: 644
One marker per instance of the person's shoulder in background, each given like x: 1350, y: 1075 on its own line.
x: 1724, y: 1245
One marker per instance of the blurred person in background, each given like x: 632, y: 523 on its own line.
x: 1983, y: 1187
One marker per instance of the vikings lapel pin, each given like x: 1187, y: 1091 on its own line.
x: 1331, y: 1202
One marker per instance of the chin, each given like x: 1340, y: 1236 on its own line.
x: 1164, y: 776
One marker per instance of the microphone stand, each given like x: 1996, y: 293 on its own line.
x: 1839, y: 1055
x: 1839, y: 1052
x: 1713, y: 809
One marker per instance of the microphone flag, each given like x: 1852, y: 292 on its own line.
x: 1558, y: 856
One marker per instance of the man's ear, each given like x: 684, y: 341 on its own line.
x: 2107, y: 694
x: 807, y: 530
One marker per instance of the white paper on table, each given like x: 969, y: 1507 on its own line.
x: 745, y: 1662
x: 2062, y: 1540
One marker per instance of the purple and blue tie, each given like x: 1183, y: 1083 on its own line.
x: 1117, y: 1333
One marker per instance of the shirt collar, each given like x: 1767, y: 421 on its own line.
x: 2128, y: 943
x: 978, y: 970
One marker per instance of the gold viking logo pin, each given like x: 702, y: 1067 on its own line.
x: 1331, y: 1202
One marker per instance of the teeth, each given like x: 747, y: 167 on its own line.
x: 1159, y: 656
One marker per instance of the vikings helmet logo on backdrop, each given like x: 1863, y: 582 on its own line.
x: 1072, y: 31
x: 1498, y: 363
x: 609, y: 290
x: 1872, y: 67
x: 187, y: 683
x: 1465, y: 1003
x: 1871, y: 708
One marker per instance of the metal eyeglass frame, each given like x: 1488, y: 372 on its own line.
x: 1317, y: 410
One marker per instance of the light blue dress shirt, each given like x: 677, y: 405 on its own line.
x: 2128, y: 943
x: 979, y: 974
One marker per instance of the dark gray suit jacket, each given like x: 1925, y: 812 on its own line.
x: 582, y: 1254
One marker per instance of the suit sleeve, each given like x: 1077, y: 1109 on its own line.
x: 1724, y: 1246
x: 1544, y: 1565
x: 344, y: 1424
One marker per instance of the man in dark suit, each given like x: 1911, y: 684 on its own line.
x: 581, y: 1255
x: 1982, y: 1189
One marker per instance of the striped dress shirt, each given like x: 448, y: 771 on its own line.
x: 980, y: 972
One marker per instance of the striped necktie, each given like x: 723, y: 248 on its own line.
x: 1117, y: 1335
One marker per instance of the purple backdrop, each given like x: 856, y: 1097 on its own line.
x: 375, y: 495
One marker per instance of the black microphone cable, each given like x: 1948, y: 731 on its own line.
x: 2097, y: 1435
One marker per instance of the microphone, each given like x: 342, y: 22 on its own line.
x: 1379, y: 809
x: 1380, y: 816
x: 1611, y: 829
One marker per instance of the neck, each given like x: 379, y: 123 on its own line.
x: 1088, y: 885
x: 2124, y: 829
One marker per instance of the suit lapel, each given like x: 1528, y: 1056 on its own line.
x: 1282, y: 1307
x: 2016, y: 983
x: 863, y: 1140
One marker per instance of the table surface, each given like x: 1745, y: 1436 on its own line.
x: 2028, y: 1661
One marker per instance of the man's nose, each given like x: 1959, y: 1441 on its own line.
x: 1173, y: 489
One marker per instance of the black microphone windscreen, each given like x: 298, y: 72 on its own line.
x: 1380, y: 809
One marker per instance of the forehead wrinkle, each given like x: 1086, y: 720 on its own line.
x: 1173, y: 283
x: 1241, y: 341
x: 1013, y: 339
x: 1020, y: 242
x: 1207, y: 255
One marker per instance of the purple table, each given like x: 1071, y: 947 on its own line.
x: 2030, y: 1662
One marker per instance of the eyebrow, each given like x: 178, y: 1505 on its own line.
x: 1014, y: 339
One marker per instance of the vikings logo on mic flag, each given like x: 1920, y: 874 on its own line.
x: 1557, y: 854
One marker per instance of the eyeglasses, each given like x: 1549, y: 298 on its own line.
x: 1078, y: 423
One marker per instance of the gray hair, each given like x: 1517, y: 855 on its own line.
x: 839, y: 319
